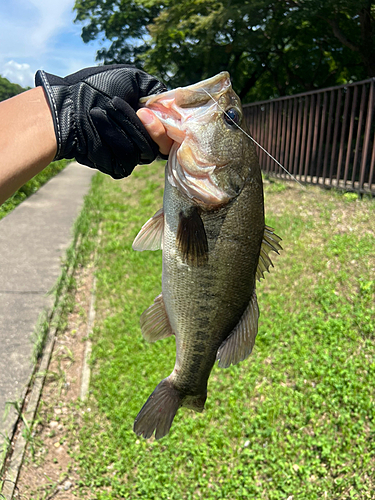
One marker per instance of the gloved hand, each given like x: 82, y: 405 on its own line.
x: 94, y: 116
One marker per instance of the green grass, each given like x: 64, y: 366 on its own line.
x: 32, y: 186
x: 295, y: 420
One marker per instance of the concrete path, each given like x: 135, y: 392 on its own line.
x: 33, y: 242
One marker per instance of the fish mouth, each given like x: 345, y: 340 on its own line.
x: 192, y: 95
x: 188, y: 168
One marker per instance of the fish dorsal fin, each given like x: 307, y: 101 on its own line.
x: 240, y: 343
x: 192, y: 238
x: 154, y: 321
x: 270, y: 243
x: 150, y: 237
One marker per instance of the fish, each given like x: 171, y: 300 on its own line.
x: 214, y: 242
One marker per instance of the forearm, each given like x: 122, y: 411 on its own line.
x: 27, y: 139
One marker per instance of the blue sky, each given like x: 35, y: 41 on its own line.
x: 40, y: 34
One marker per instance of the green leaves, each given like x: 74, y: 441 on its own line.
x: 8, y: 89
x: 270, y: 48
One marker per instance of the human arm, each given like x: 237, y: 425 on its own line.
x: 28, y: 137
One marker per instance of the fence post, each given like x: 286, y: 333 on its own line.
x: 366, y: 139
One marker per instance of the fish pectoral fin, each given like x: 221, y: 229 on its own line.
x: 154, y: 321
x: 192, y: 238
x: 150, y: 237
x: 270, y: 243
x: 240, y: 343
x: 158, y: 412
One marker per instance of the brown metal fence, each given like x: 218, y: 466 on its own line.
x: 324, y: 137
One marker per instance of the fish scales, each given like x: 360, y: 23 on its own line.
x: 212, y: 297
x: 215, y: 244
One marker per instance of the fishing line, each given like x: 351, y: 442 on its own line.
x: 255, y: 142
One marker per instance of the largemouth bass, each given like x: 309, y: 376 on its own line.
x: 215, y: 245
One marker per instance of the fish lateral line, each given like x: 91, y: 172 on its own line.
x: 255, y: 142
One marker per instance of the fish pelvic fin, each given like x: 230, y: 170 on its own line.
x: 270, y: 243
x: 154, y: 321
x: 192, y: 238
x: 240, y: 343
x: 158, y: 412
x: 150, y: 237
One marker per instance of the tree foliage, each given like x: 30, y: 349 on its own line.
x: 8, y: 89
x: 270, y: 47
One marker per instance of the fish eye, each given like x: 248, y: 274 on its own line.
x: 232, y: 116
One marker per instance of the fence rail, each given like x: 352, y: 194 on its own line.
x: 324, y: 137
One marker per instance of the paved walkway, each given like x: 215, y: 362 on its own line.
x: 33, y: 241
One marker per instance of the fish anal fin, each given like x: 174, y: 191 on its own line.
x: 150, y: 237
x: 154, y: 321
x: 240, y: 343
x: 270, y: 243
x: 192, y: 238
x: 158, y: 412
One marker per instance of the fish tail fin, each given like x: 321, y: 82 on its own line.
x: 158, y: 412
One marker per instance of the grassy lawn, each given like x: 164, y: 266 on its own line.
x: 295, y: 420
x: 32, y: 186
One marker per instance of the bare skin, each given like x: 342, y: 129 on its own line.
x: 28, y: 142
x: 156, y: 130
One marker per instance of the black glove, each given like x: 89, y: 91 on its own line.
x: 94, y: 116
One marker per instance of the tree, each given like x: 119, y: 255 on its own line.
x: 351, y: 22
x: 270, y: 47
x: 8, y: 89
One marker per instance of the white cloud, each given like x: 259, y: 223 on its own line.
x: 40, y: 34
x: 52, y: 17
x: 27, y: 26
x: 18, y: 73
